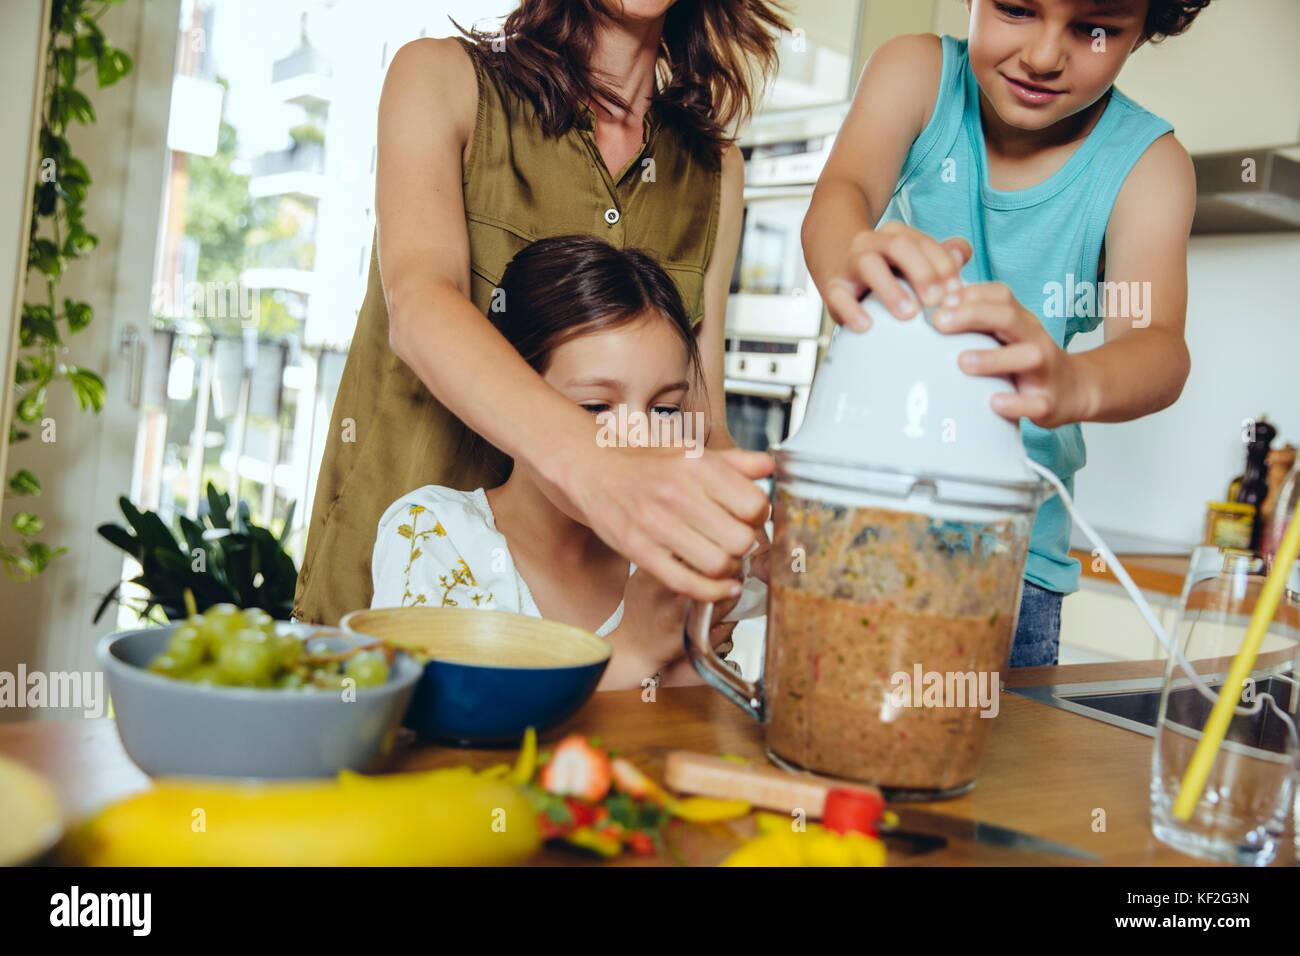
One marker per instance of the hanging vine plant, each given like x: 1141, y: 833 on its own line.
x: 58, y: 236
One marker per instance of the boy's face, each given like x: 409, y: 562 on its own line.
x: 1040, y: 61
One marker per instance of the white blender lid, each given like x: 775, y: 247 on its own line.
x: 894, y: 398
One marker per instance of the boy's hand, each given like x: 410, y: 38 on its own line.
x: 875, y: 255
x: 1050, y: 388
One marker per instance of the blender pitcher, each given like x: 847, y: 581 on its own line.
x: 902, y: 511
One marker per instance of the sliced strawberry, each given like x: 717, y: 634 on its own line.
x: 583, y: 813
x: 641, y: 843
x: 578, y: 769
x: 632, y: 781
x: 550, y: 829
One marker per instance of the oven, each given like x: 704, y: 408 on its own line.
x: 776, y: 324
x: 767, y: 382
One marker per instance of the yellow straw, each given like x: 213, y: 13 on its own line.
x: 1198, y: 770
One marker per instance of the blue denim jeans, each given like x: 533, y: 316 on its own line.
x: 1038, y: 631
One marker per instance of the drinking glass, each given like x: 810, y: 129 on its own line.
x: 1242, y: 813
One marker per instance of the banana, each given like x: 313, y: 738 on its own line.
x: 434, y: 818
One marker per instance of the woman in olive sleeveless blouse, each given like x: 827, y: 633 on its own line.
x: 519, y: 183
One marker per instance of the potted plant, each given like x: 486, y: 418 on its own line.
x: 219, y: 562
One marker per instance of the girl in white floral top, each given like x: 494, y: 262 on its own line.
x: 606, y: 328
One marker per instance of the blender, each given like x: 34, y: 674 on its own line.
x: 902, y: 511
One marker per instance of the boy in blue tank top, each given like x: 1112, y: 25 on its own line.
x: 1011, y: 160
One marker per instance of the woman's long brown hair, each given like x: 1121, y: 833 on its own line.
x: 708, y: 55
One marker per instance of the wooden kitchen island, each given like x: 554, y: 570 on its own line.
x: 1046, y: 772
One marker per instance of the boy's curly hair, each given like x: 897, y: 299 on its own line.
x: 1167, y: 18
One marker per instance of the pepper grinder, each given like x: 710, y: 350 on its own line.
x: 1252, y: 486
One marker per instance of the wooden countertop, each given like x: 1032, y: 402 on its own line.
x: 1046, y: 772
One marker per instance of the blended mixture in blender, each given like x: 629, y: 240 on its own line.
x: 862, y: 594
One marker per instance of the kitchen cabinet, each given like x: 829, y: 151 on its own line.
x: 1100, y: 623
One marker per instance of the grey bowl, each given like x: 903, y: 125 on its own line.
x: 174, y: 728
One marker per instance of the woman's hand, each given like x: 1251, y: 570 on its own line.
x: 687, y: 521
x: 875, y: 255
x: 1051, y: 388
x: 650, y: 637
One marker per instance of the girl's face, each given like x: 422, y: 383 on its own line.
x: 642, y: 365
x: 1040, y: 61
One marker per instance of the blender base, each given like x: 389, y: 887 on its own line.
x: 891, y: 794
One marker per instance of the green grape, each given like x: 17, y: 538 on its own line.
x: 205, y: 674
x: 246, y: 662
x: 216, y: 628
x: 286, y: 648
x: 165, y: 664
x: 327, y: 678
x: 250, y: 635
x: 368, y: 669
x: 255, y: 617
x: 289, y: 680
x: 187, y: 647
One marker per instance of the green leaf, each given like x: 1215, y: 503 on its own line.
x: 37, y: 558
x: 109, y: 597
x: 43, y: 255
x: 112, y: 66
x: 27, y: 524
x: 119, y: 537
x: 31, y: 407
x: 218, y: 507
x: 65, y: 61
x: 23, y: 482
x: 88, y: 386
x: 78, y: 314
x: 193, y: 532
x: 37, y: 325
x: 77, y: 106
x: 148, y: 527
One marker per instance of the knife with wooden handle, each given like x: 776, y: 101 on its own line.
x: 758, y: 785
x: 773, y: 789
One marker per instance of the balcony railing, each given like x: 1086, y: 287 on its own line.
x: 304, y: 61
x: 303, y: 77
x: 251, y: 416
x: 303, y: 158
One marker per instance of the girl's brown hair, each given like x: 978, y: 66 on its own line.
x: 707, y: 54
x: 558, y: 289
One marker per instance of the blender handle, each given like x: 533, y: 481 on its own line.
x: 747, y: 695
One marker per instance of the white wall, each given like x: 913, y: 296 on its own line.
x: 1152, y: 477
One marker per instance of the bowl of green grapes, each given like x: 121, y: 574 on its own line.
x: 232, y: 693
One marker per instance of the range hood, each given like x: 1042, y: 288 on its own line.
x: 1247, y: 191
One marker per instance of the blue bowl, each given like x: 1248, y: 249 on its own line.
x: 488, y: 675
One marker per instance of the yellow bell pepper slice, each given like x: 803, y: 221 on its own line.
x: 526, y: 763
x: 600, y: 843
x: 707, y: 810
